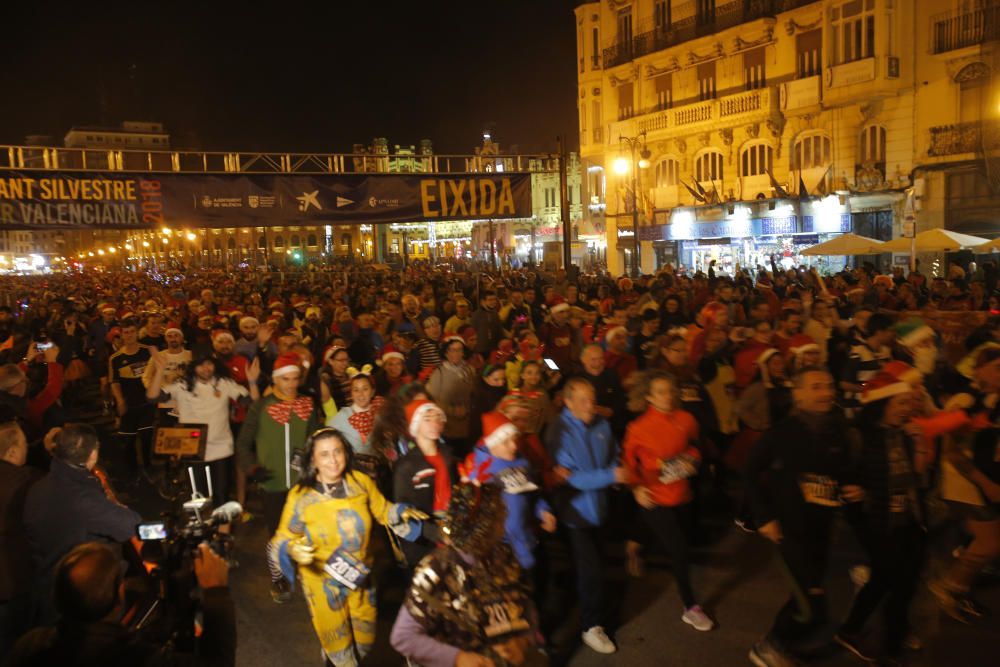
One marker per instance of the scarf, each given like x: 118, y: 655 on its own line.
x: 364, y: 421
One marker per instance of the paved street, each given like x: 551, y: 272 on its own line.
x: 738, y: 581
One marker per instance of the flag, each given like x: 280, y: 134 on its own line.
x: 778, y: 190
x: 697, y: 197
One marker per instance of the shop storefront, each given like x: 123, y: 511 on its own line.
x: 738, y: 237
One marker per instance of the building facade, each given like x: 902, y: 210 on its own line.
x: 769, y: 125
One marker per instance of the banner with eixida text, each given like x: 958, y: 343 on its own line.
x: 66, y: 199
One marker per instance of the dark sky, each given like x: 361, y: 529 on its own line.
x: 283, y: 75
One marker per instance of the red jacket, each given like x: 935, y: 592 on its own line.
x: 656, y: 438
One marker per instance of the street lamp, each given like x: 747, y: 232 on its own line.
x: 636, y: 147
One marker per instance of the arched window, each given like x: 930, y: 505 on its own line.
x: 296, y: 242
x: 311, y: 241
x: 231, y: 243
x: 262, y: 242
x: 279, y: 241
x: 756, y: 160
x: 666, y: 172
x: 345, y: 240
x: 811, y: 150
x: 708, y: 166
x: 217, y: 243
x: 872, y: 147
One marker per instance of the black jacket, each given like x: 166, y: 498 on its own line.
x: 15, y: 553
x: 413, y: 480
x: 107, y: 644
x: 68, y: 507
x: 795, y: 472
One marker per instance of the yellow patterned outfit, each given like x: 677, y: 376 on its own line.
x: 337, y: 584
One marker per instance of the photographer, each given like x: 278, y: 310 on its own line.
x: 89, y: 594
x: 30, y: 410
x: 68, y: 507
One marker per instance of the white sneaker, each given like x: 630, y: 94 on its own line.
x: 598, y: 640
x: 698, y: 619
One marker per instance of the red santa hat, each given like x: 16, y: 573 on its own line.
x: 391, y: 353
x: 286, y: 364
x: 614, y: 331
x: 221, y: 333
x: 497, y: 429
x: 275, y: 304
x: 106, y: 308
x: 800, y: 343
x: 173, y: 327
x: 883, y: 386
x: 415, y: 411
x: 558, y: 305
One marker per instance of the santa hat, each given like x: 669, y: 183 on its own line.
x: 106, y: 307
x: 799, y: 344
x: 275, y: 304
x: 300, y: 305
x: 248, y: 320
x: 415, y: 411
x: 912, y: 331
x: 883, y: 386
x: 173, y: 327
x: 614, y: 331
x: 221, y: 333
x: 286, y: 364
x: 497, y: 429
x: 125, y: 314
x: 391, y: 353
x: 558, y: 305
x: 762, y: 360
x: 448, y: 340
x: 113, y: 333
x: 903, y: 372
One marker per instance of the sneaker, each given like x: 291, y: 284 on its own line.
x: 852, y: 643
x: 698, y: 619
x: 596, y: 639
x: 281, y: 591
x: 766, y: 654
x: 948, y: 601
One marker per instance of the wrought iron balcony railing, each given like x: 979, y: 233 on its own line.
x: 956, y: 138
x: 956, y: 30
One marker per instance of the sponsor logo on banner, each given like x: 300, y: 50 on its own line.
x: 307, y: 199
x: 221, y: 202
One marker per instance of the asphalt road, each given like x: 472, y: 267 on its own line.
x: 737, y: 580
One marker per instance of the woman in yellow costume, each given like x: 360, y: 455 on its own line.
x: 324, y: 534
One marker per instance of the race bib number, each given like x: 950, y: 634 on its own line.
x: 503, y: 618
x: 819, y: 490
x: 676, y: 469
x: 516, y: 480
x: 346, y: 570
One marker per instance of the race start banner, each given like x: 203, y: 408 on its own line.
x: 109, y: 200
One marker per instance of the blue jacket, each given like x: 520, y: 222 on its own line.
x: 521, y: 494
x: 590, y: 453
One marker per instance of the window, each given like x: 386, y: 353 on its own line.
x: 626, y: 107
x: 262, y: 242
x: 664, y: 85
x: 873, y: 145
x: 756, y: 160
x: 708, y: 166
x: 231, y: 243
x: 279, y: 242
x: 595, y: 58
x: 296, y: 242
x: 625, y: 27
x: 808, y: 49
x: 705, y: 12
x: 666, y: 172
x: 661, y: 15
x: 583, y: 48
x: 852, y: 31
x: 811, y: 151
x: 753, y: 69
x: 706, y: 81
x: 311, y: 241
x: 595, y: 119
x: 972, y: 81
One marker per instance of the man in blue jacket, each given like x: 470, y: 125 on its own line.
x: 586, y: 455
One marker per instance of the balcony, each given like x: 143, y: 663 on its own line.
x: 689, y: 23
x: 955, y: 139
x: 956, y: 30
x: 736, y: 107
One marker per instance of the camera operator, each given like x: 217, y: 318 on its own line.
x: 31, y: 409
x: 89, y: 593
x: 68, y: 507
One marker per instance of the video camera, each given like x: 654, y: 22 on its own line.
x: 170, y: 613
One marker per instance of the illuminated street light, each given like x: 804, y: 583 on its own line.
x: 640, y: 155
x: 166, y: 231
x: 165, y: 239
x: 90, y: 254
x: 145, y: 244
x: 191, y: 236
x: 620, y: 166
x: 112, y: 250
x: 100, y: 252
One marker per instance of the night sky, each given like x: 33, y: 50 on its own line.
x: 295, y: 76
